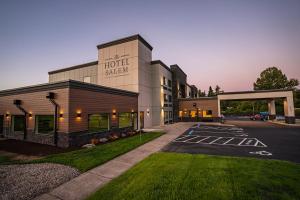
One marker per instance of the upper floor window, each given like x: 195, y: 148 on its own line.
x: 165, y: 97
x: 170, y: 98
x: 164, y: 80
x: 169, y: 83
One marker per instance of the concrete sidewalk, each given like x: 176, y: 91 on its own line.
x: 87, y: 183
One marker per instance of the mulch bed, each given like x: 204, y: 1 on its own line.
x: 30, y: 148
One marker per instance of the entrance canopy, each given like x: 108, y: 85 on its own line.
x: 270, y: 95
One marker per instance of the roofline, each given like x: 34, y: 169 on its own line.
x: 66, y: 84
x: 73, y: 67
x: 257, y: 91
x: 178, y: 68
x: 125, y: 39
x: 198, y: 98
x: 154, y: 62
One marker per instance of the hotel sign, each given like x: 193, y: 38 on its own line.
x: 117, y: 65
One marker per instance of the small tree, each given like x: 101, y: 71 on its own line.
x: 217, y: 89
x: 210, y: 92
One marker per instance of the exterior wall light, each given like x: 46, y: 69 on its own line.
x: 30, y: 115
x: 114, y: 113
x: 78, y: 115
x: 148, y: 112
x: 7, y: 115
x: 61, y: 115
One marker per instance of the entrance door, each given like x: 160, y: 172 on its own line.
x: 141, y: 119
x: 1, y: 124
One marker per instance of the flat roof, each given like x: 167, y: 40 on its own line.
x: 198, y: 98
x: 175, y: 65
x: 160, y: 63
x: 125, y: 39
x: 74, y: 67
x: 256, y: 91
x: 66, y: 84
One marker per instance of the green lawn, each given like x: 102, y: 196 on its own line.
x: 85, y: 159
x: 4, y: 159
x: 185, y: 176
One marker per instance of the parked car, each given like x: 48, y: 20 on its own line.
x: 261, y: 116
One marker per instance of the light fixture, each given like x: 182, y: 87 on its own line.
x: 61, y: 115
x: 114, y: 113
x: 30, y: 115
x: 78, y: 115
x: 148, y: 112
x: 7, y: 115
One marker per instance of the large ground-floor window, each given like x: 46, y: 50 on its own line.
x: 18, y: 123
x: 125, y: 120
x: 98, y: 122
x: 44, y: 124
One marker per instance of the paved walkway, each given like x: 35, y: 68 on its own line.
x: 87, y: 183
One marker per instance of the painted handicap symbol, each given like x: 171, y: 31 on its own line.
x: 262, y: 153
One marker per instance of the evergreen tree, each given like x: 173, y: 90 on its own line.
x: 210, y: 92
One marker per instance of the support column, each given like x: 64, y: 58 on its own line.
x: 289, y: 110
x: 272, y: 109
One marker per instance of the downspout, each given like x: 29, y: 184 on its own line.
x: 18, y: 105
x: 51, y: 97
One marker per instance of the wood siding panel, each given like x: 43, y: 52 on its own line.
x: 37, y: 104
x: 90, y: 102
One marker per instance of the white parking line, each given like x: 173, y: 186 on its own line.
x: 239, y: 143
x: 242, y: 141
x: 228, y: 140
x: 182, y: 137
x: 215, y: 140
x: 203, y: 139
x: 215, y: 132
x: 190, y: 139
x: 259, y: 142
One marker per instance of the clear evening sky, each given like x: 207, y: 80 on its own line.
x: 215, y: 42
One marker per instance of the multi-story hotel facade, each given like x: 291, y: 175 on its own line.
x: 123, y: 89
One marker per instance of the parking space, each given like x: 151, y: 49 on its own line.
x: 250, y: 139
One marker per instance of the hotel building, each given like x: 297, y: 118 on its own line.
x: 123, y: 89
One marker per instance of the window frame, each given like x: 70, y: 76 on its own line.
x: 36, y: 125
x: 131, y: 120
x: 13, y: 123
x: 108, y: 126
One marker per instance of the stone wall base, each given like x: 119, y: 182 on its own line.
x: 290, y: 120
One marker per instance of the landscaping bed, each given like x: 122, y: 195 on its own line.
x: 188, y: 176
x: 88, y: 158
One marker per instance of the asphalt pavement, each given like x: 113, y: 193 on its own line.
x: 246, y: 139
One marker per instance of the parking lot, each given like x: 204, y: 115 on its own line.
x: 243, y: 138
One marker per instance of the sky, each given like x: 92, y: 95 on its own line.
x: 215, y: 41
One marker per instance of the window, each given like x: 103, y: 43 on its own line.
x: 18, y: 123
x: 44, y: 124
x: 165, y: 97
x: 207, y: 113
x: 193, y: 113
x: 164, y: 80
x: 87, y: 79
x: 169, y: 83
x: 170, y: 98
x: 166, y: 116
x: 170, y: 115
x: 98, y: 122
x: 125, y: 120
